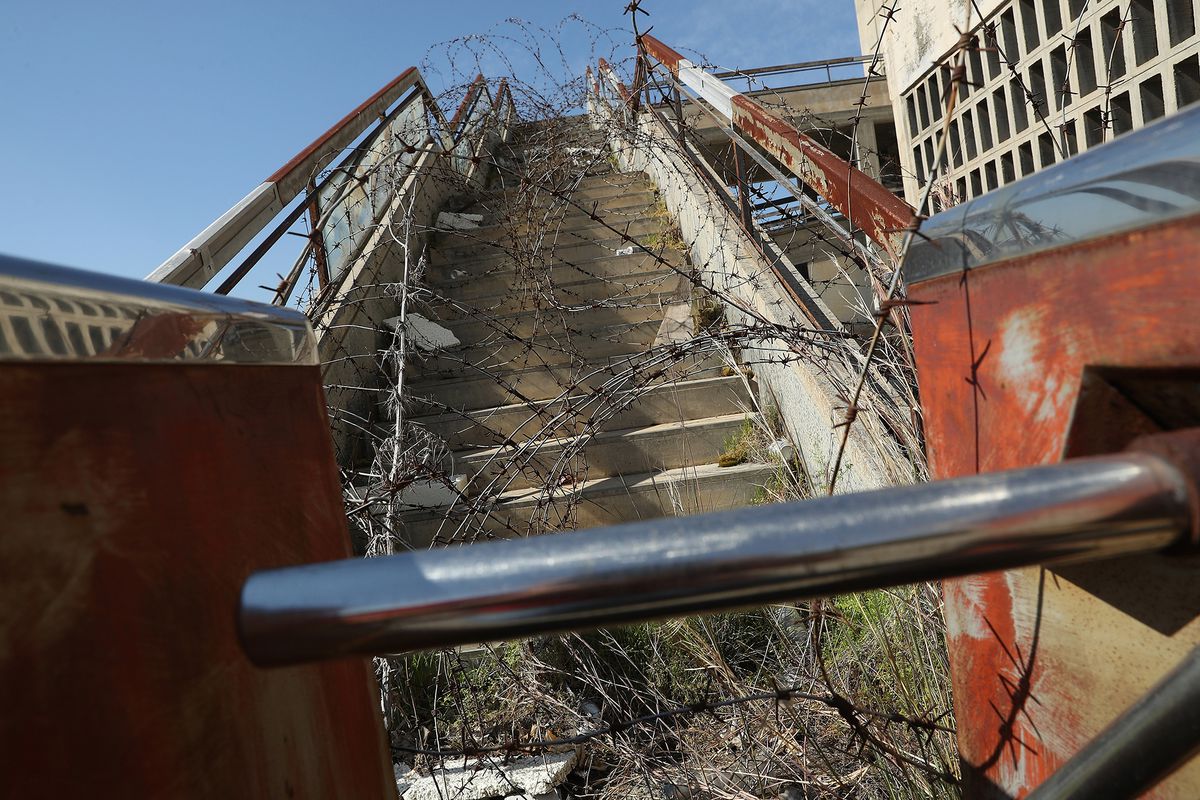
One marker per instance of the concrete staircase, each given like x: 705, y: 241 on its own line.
x: 560, y: 409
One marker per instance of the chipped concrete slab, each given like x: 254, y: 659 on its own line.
x: 676, y: 325
x: 424, y: 332
x: 479, y: 780
x: 431, y: 493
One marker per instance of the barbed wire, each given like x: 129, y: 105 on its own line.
x: 855, y: 716
x: 531, y: 263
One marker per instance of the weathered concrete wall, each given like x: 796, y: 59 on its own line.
x: 922, y: 33
x: 808, y: 386
x: 351, y: 334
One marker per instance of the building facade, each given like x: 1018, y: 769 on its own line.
x: 1048, y: 79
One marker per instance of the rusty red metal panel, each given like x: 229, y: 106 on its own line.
x: 663, y: 53
x: 865, y: 202
x: 137, y: 498
x: 622, y: 89
x: 1041, y: 660
x: 367, y: 109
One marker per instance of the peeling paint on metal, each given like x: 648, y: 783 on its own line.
x: 1039, y: 667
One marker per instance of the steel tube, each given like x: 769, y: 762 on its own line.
x: 1077, y: 510
x: 1158, y: 734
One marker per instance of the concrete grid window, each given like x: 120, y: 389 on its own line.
x: 1062, y: 76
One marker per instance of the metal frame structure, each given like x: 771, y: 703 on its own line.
x: 309, y: 176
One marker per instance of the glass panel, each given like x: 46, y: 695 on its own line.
x: 1143, y: 178
x: 50, y: 313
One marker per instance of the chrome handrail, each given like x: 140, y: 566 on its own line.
x: 1074, y: 511
x: 52, y: 313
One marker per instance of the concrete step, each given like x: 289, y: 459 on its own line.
x: 560, y: 348
x: 529, y: 293
x: 600, y: 501
x: 523, y: 238
x: 494, y: 276
x: 500, y: 222
x: 500, y: 215
x: 592, y: 187
x: 655, y: 405
x: 654, y: 448
x: 475, y: 328
x: 543, y: 383
x: 464, y: 248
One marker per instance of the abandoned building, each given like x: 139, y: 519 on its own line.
x: 1050, y: 79
x: 889, y: 361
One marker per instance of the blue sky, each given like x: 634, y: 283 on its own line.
x: 127, y: 127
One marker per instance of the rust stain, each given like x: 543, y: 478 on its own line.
x: 666, y: 56
x: 865, y: 202
x: 192, y: 476
x: 158, y: 336
x: 1000, y: 353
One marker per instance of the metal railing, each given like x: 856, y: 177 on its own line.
x: 52, y: 313
x: 379, y: 144
x: 1079, y: 510
x: 847, y: 67
x: 815, y: 186
x: 867, y: 204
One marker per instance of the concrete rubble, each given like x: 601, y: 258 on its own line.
x: 431, y: 493
x: 424, y: 333
x: 536, y: 776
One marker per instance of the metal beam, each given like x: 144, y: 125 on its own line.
x: 868, y: 205
x: 1078, y: 510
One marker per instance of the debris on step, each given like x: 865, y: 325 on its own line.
x: 424, y: 332
x: 625, y: 251
x: 782, y: 448
x: 405, y: 776
x: 449, y: 221
x: 481, y: 780
x: 676, y: 325
x: 431, y: 493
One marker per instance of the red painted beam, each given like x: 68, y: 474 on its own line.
x: 666, y: 55
x: 866, y: 203
x: 466, y: 101
x: 622, y: 89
